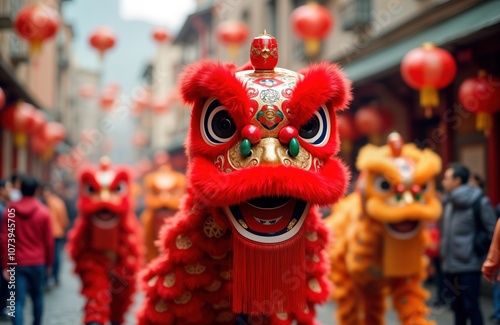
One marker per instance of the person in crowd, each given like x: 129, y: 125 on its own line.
x: 15, y: 189
x: 34, y: 249
x: 435, y: 232
x: 466, y: 212
x: 60, y: 223
x: 476, y: 180
x: 4, y: 200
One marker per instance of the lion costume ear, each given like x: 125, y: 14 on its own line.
x: 206, y: 79
x: 323, y: 83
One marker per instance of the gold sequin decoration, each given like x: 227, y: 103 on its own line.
x: 291, y: 224
x: 212, y: 229
x: 221, y: 305
x: 161, y: 306
x: 219, y: 257
x: 195, y: 269
x: 315, y: 258
x: 152, y: 281
x: 169, y: 280
x: 314, y: 285
x: 183, y: 242
x: 214, y: 286
x: 184, y: 299
x: 224, y: 317
x: 282, y: 316
x: 312, y: 236
x: 227, y: 275
x: 243, y: 223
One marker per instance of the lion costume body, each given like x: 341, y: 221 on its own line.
x: 105, y: 243
x: 379, y: 235
x: 163, y: 191
x: 248, y: 239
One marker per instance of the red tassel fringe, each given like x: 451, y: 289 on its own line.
x: 268, y: 278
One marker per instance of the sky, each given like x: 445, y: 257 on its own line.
x: 133, y: 22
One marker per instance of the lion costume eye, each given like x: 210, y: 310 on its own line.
x: 217, y: 126
x: 89, y: 189
x: 381, y: 184
x: 316, y: 131
x: 121, y: 188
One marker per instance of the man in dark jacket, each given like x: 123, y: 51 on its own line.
x: 460, y: 263
x: 27, y: 251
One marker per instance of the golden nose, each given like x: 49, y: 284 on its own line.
x: 105, y: 195
x: 270, y: 151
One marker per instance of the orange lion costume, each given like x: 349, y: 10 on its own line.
x: 105, y: 243
x: 163, y: 191
x: 248, y: 243
x: 379, y: 234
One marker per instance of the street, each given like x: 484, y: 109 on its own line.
x: 63, y: 306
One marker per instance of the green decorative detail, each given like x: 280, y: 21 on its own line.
x: 418, y: 196
x: 399, y: 196
x: 280, y: 115
x: 259, y: 114
x: 245, y: 148
x: 293, y: 147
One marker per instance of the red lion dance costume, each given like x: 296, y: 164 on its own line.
x: 105, y: 243
x: 247, y: 242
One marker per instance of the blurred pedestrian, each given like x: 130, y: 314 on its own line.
x: 435, y: 229
x: 476, y: 180
x: 4, y: 200
x: 467, y: 217
x: 34, y: 249
x: 60, y: 222
x: 15, y: 189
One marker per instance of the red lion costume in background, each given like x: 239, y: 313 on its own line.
x: 248, y: 241
x: 105, y: 243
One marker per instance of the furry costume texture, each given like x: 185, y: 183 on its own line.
x: 379, y: 235
x: 105, y: 243
x: 214, y: 241
x: 163, y: 191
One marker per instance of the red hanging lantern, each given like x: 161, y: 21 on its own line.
x: 53, y: 133
x: 2, y: 98
x: 481, y: 95
x: 38, y: 121
x: 311, y: 23
x: 368, y: 121
x: 39, y: 145
x: 139, y: 139
x: 160, y: 105
x: 102, y: 39
x: 107, y: 101
x: 36, y: 23
x: 87, y: 91
x: 232, y: 34
x: 427, y: 69
x: 160, y: 35
x: 347, y: 131
x: 18, y: 118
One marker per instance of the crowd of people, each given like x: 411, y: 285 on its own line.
x: 34, y: 221
x: 41, y: 219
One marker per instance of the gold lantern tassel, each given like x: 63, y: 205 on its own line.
x: 311, y: 46
x: 346, y: 147
x: 20, y: 139
x: 484, y: 122
x: 233, y: 51
x: 429, y: 98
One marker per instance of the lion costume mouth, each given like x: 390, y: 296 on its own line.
x: 405, y: 229
x: 105, y: 219
x: 268, y: 219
